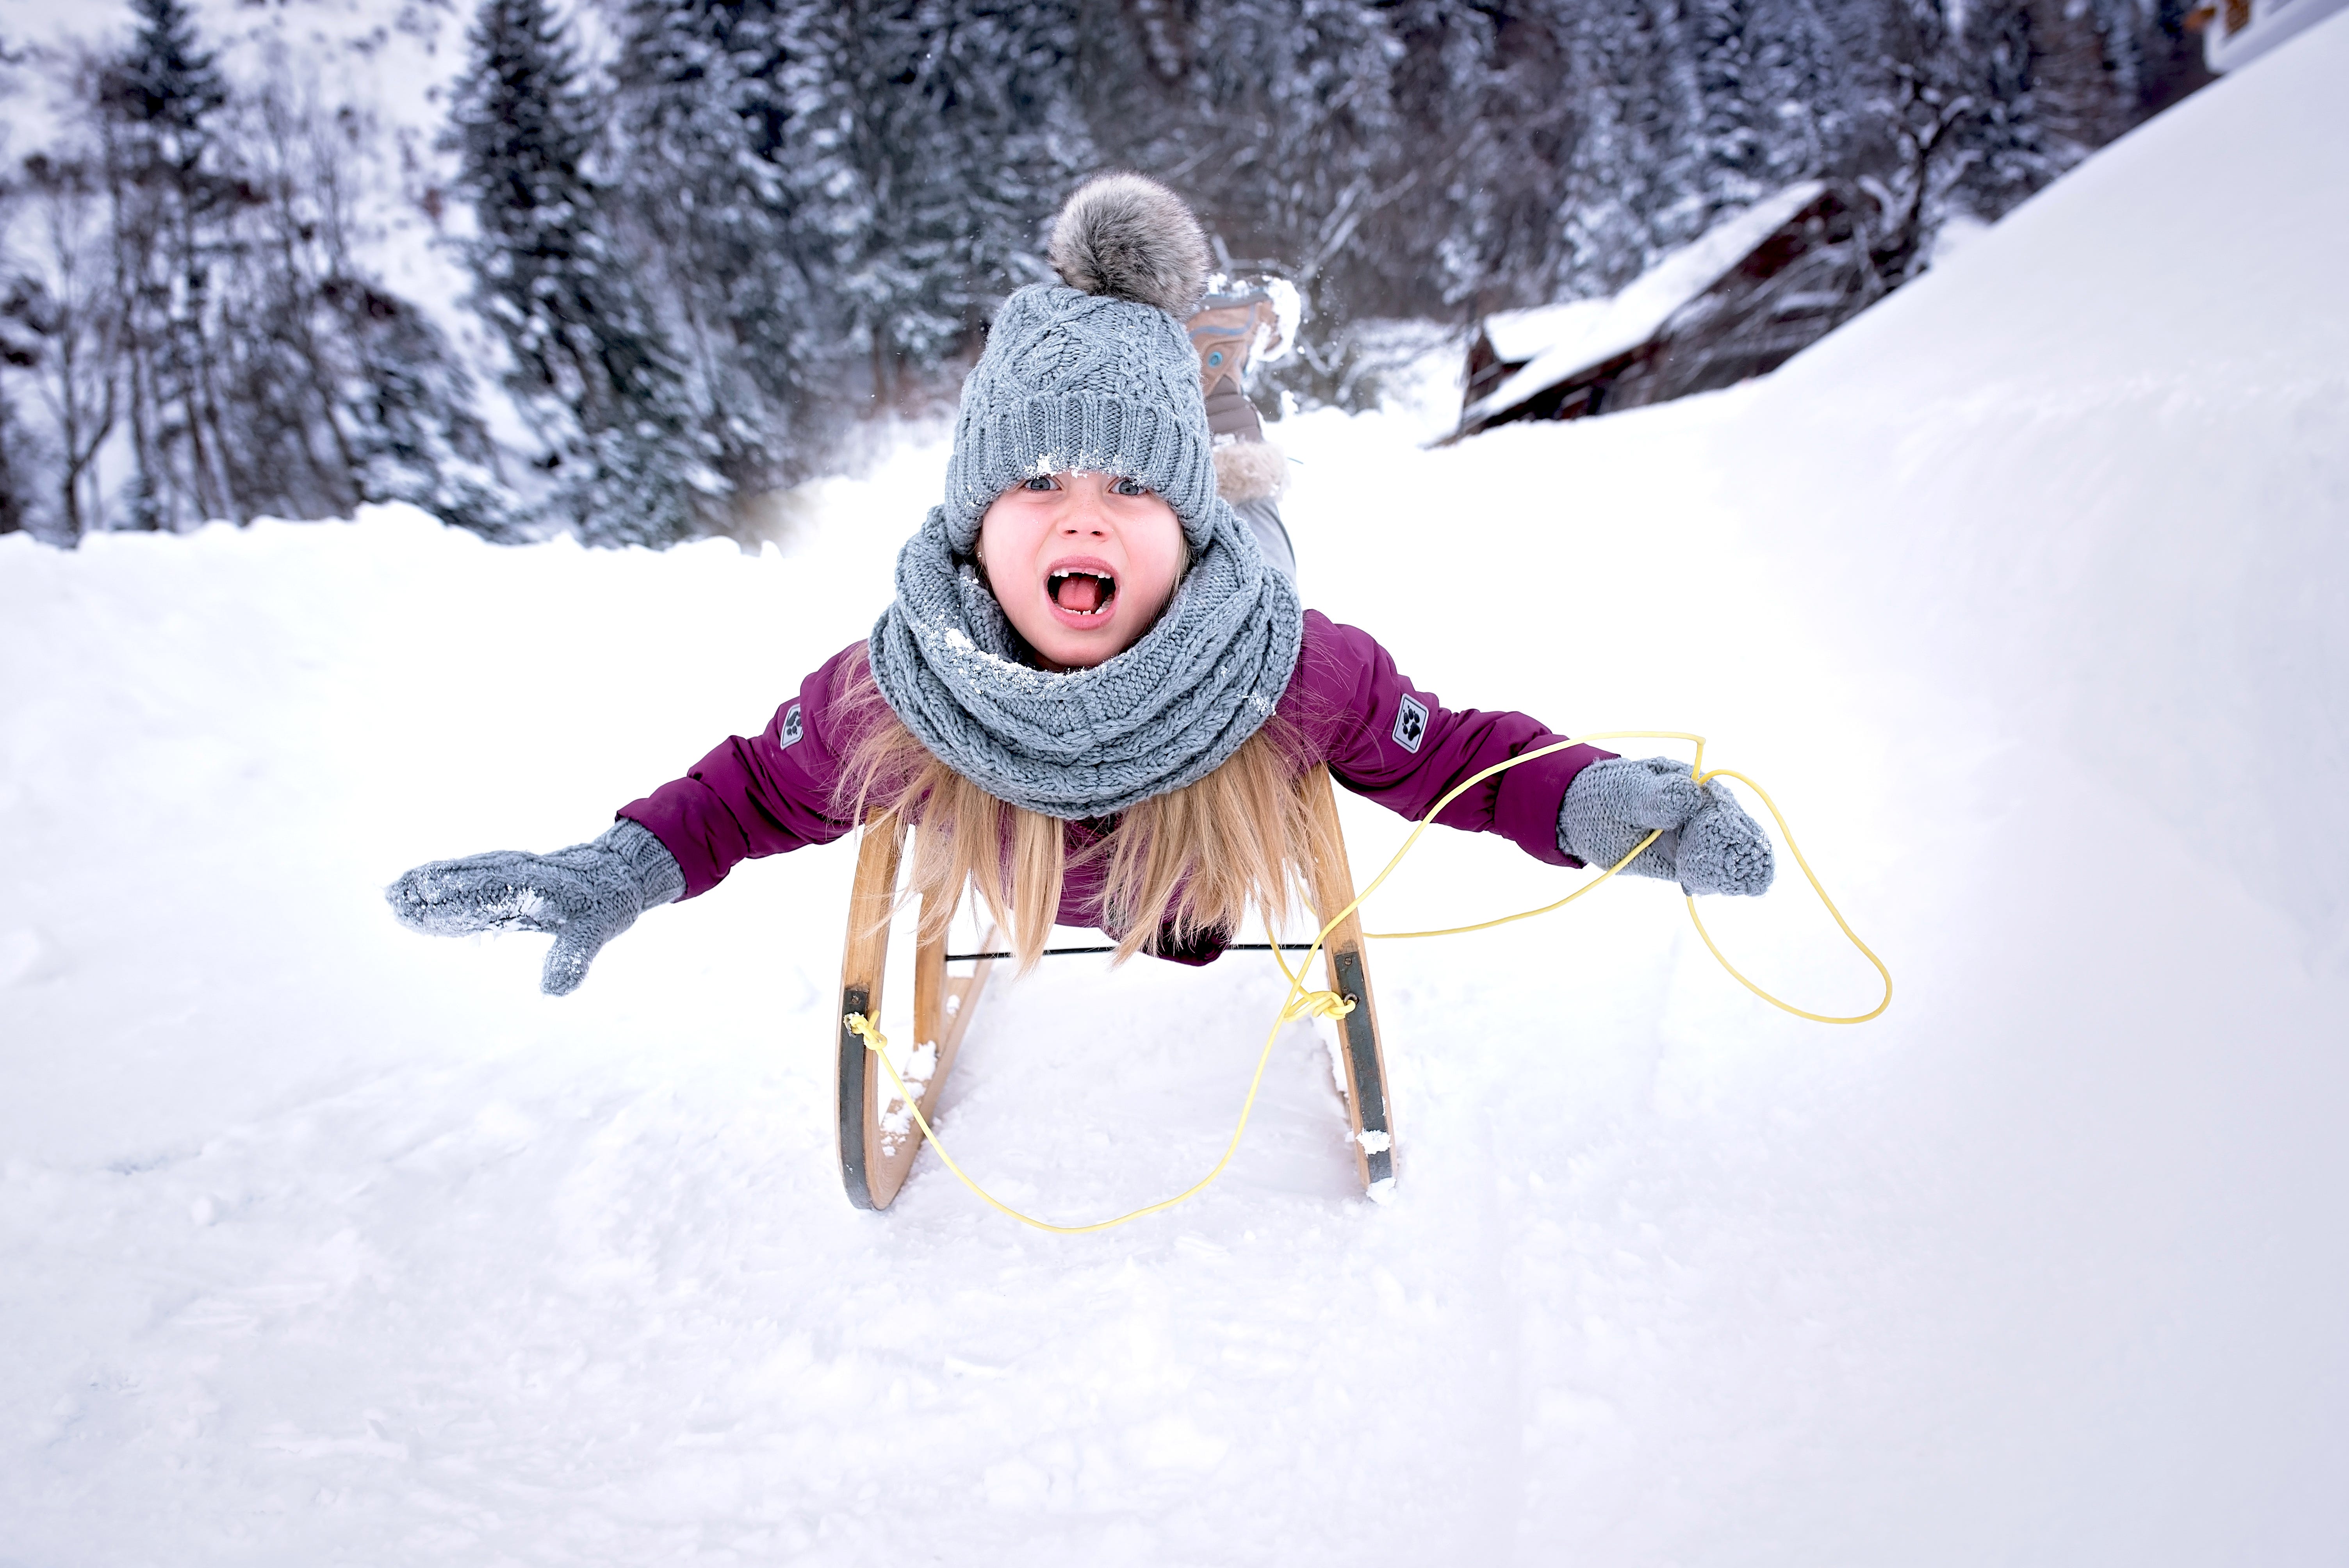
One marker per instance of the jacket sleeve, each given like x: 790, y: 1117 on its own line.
x: 763, y: 795
x: 1397, y: 744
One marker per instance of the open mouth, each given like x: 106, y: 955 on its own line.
x: 1080, y: 594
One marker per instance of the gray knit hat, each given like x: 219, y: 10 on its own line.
x: 1098, y: 374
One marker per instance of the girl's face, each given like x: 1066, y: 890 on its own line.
x: 1082, y: 563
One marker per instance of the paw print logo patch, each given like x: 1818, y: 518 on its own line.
x: 791, y: 724
x: 1410, y: 723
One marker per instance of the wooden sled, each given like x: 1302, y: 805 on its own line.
x: 878, y: 1138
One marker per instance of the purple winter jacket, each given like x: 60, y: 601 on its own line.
x: 1382, y: 737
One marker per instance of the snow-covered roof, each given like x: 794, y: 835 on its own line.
x: 1518, y: 336
x: 1562, y: 339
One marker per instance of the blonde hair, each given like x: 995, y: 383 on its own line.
x: 1189, y: 863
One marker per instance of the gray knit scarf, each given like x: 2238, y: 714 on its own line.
x: 1162, y: 714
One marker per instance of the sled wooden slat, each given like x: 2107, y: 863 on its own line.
x: 875, y: 1158
x: 1367, y: 1105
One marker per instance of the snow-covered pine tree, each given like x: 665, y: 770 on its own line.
x: 14, y: 484
x: 810, y: 207
x: 1485, y: 93
x: 159, y: 102
x: 2048, y: 84
x: 630, y: 456
x: 2013, y: 155
x: 1771, y: 99
x: 1919, y: 121
x: 1278, y: 119
x: 833, y: 197
x: 1613, y: 185
x: 742, y: 192
x: 1695, y: 113
x: 290, y: 440
x: 967, y: 134
x: 64, y: 296
x: 1410, y: 157
x: 251, y: 386
x: 381, y: 388
x: 19, y: 351
x: 408, y: 404
x: 1725, y: 162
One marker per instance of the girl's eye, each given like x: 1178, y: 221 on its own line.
x: 1042, y: 482
x: 1129, y: 486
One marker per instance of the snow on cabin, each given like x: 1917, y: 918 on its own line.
x: 2237, y: 32
x: 1755, y: 290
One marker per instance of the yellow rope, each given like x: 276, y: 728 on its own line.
x: 1697, y: 770
x: 1304, y: 1003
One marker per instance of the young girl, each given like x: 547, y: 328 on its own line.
x: 1094, y: 695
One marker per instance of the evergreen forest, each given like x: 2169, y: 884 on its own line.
x: 705, y: 240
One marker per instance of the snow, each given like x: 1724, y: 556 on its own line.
x: 1560, y: 340
x: 915, y: 1069
x: 1519, y: 336
x: 322, y: 1241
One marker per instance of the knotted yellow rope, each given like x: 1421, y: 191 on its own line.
x: 1305, y: 1003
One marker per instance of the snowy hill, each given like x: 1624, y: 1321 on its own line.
x: 323, y: 1242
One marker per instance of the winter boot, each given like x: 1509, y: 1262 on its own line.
x: 1225, y: 330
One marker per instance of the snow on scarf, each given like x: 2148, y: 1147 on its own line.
x: 1162, y: 714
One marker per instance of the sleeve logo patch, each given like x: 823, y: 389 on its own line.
x: 1410, y: 723
x: 791, y: 724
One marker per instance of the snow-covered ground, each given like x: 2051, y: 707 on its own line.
x: 322, y: 1242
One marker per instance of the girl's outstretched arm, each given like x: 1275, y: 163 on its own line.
x: 1397, y: 744
x: 756, y: 794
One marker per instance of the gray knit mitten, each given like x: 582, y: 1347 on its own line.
x: 1708, y: 845
x: 586, y: 895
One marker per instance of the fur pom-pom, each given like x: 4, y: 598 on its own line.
x: 1130, y: 238
x: 1250, y: 471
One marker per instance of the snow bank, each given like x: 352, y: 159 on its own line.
x: 2097, y: 460
x: 321, y: 1242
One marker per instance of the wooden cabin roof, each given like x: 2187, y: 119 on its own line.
x: 1560, y: 342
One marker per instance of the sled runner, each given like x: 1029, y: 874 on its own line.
x: 878, y: 1134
